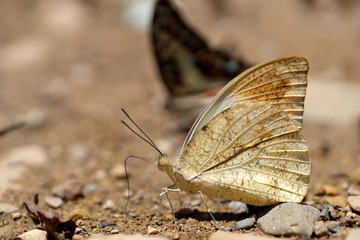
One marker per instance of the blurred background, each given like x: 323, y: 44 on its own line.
x: 67, y: 67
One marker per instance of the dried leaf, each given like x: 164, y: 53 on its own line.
x: 55, y: 225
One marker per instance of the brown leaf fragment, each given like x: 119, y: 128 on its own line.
x: 55, y: 225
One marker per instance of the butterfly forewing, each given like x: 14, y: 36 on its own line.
x: 251, y: 152
x: 281, y: 82
x: 187, y: 64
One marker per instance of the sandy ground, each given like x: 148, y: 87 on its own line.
x: 70, y: 66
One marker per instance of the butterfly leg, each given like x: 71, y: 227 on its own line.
x: 211, y: 215
x: 165, y: 191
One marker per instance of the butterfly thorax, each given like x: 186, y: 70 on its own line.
x: 169, y: 165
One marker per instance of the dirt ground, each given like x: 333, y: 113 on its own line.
x: 75, y: 64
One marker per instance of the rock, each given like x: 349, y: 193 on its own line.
x: 354, y: 202
x: 79, y: 152
x: 104, y: 224
x: 221, y: 235
x: 109, y: 204
x: 152, y: 230
x: 69, y: 190
x: 353, y: 234
x: 127, y: 237
x: 289, y: 219
x: 16, y: 215
x: 35, y: 234
x: 14, y: 164
x: 244, y: 224
x: 7, y: 208
x: 114, y: 231
x: 238, y: 207
x: 327, y: 212
x: 79, y: 213
x: 353, y: 190
x: 336, y: 200
x: 330, y: 190
x: 77, y: 237
x: 118, y: 171
x: 195, y: 202
x: 73, y: 189
x: 54, y: 202
x: 335, y: 227
x: 320, y: 229
x: 34, y: 118
x: 91, y: 187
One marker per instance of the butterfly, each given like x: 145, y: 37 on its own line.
x: 192, y: 72
x: 247, y: 145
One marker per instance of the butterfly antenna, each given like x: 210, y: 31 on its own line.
x: 127, y: 176
x: 146, y: 138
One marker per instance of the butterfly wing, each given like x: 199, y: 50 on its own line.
x: 187, y: 65
x: 251, y: 152
x: 281, y: 82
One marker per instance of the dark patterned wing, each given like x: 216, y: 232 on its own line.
x: 187, y: 65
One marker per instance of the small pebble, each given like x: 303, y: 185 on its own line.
x: 34, y: 234
x: 118, y: 171
x: 34, y: 118
x: 195, y: 202
x: 330, y: 190
x: 6, y: 208
x: 59, y: 191
x: 354, y: 190
x: 327, y: 212
x: 151, y: 230
x: 77, y: 237
x: 79, y: 213
x: 289, y: 219
x: 320, y: 229
x: 54, y: 202
x: 73, y: 189
x: 79, y: 152
x: 354, y: 202
x: 91, y: 187
x: 335, y: 227
x: 115, y: 231
x: 109, y: 204
x: 104, y: 224
x: 238, y: 207
x: 16, y: 215
x: 336, y: 200
x: 353, y: 234
x: 244, y: 224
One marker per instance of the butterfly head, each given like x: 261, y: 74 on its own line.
x: 167, y: 164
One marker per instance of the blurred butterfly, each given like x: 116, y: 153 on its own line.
x: 247, y: 145
x: 192, y: 72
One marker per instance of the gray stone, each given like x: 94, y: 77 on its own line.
x: 244, y: 224
x: 35, y: 234
x: 221, y: 235
x: 109, y: 204
x: 54, y: 202
x: 79, y: 152
x: 6, y: 208
x: 320, y: 229
x: 354, y: 202
x: 335, y: 227
x: 289, y: 219
x: 238, y: 207
x: 353, y: 234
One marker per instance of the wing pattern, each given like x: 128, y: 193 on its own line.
x: 187, y: 64
x: 251, y: 152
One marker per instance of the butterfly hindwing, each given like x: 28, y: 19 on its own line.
x: 187, y: 64
x: 251, y: 152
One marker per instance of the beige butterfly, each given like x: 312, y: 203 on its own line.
x: 247, y: 144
